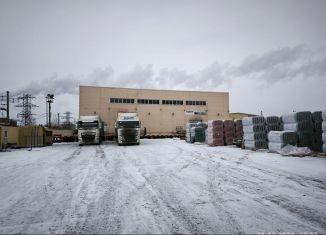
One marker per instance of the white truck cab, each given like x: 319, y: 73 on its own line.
x: 90, y: 130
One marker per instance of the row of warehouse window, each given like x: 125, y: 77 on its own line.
x: 151, y: 101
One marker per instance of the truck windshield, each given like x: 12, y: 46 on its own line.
x: 134, y: 124
x: 88, y: 125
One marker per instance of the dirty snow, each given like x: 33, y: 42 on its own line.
x: 160, y: 186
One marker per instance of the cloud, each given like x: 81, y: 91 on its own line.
x: 69, y: 84
x: 287, y: 63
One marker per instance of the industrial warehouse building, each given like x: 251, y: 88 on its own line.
x: 162, y: 112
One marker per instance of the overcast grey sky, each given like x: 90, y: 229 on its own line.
x: 270, y: 55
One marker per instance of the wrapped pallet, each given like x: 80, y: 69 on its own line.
x: 189, y: 138
x: 278, y: 139
x: 273, y: 123
x: 301, y: 122
x: 214, y: 133
x: 317, y: 119
x: 254, y: 132
x: 238, y: 128
x: 198, y: 134
x: 228, y: 131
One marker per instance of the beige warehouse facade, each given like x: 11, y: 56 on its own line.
x: 162, y: 112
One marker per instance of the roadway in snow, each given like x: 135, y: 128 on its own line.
x: 160, y: 186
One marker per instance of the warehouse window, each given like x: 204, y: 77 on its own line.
x: 197, y: 103
x: 148, y: 101
x: 172, y: 102
x: 121, y: 101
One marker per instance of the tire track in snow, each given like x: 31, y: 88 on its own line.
x: 100, y: 210
x: 73, y: 155
x: 188, y: 219
x: 230, y: 174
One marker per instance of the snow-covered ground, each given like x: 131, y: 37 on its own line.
x: 160, y: 186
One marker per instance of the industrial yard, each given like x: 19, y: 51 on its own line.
x: 160, y: 186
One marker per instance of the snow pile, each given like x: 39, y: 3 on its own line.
x: 254, y: 132
x: 290, y: 150
x: 214, y: 133
x: 278, y: 139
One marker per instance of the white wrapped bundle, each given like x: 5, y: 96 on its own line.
x: 254, y: 128
x: 255, y: 136
x: 272, y: 120
x: 256, y: 120
x: 188, y: 131
x: 255, y: 144
x: 273, y: 128
x: 298, y: 126
x: 324, y: 115
x: 284, y: 137
x: 275, y: 147
x: 324, y: 137
x: 296, y: 117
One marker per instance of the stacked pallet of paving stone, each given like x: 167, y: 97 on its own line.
x: 228, y: 131
x: 238, y: 128
x: 273, y: 123
x: 198, y: 134
x: 214, y: 133
x: 301, y: 122
x: 254, y: 132
x: 278, y: 139
x: 317, y: 120
x: 189, y: 138
x: 324, y: 130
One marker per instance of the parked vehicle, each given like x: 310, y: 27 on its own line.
x: 90, y: 130
x: 127, y: 128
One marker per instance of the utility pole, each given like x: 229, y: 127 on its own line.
x: 58, y: 119
x: 49, y: 100
x: 8, y: 118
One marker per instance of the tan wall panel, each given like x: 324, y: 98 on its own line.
x: 12, y: 134
x: 156, y: 118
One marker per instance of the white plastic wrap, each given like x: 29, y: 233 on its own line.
x: 256, y: 120
x: 255, y: 136
x: 254, y: 128
x: 324, y: 115
x: 289, y: 150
